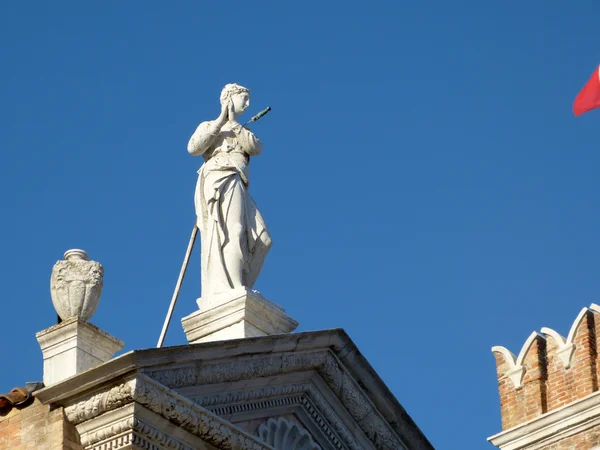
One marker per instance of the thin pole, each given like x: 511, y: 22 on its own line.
x: 186, y: 260
x: 258, y: 116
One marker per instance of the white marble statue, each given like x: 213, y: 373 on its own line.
x: 234, y: 237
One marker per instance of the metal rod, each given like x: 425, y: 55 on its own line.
x: 186, y: 260
x: 258, y: 116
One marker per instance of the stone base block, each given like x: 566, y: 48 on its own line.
x: 242, y: 313
x: 73, y: 346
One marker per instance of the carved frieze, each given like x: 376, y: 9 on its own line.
x: 161, y: 400
x: 100, y: 403
x: 331, y: 370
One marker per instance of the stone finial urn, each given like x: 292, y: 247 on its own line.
x: 76, y: 285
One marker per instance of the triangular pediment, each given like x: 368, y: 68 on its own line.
x: 301, y: 391
x: 317, y: 379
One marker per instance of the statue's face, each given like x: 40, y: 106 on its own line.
x: 241, y: 101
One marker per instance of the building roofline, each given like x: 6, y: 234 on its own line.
x: 336, y: 340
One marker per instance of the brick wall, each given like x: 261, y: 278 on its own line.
x: 37, y: 427
x: 565, y: 385
x: 528, y: 400
x: 551, y: 371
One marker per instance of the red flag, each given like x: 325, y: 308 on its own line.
x: 589, y: 97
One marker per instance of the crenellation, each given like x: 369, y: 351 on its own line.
x: 534, y: 381
x: 521, y: 381
x: 571, y: 362
x: 551, y: 374
x: 595, y: 310
x: 585, y: 379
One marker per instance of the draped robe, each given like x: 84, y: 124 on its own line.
x: 234, y: 237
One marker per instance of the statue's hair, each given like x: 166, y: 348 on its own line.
x: 231, y: 89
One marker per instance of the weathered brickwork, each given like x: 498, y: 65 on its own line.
x: 37, y: 426
x: 549, y: 392
x: 529, y: 401
x: 564, y: 385
x: 557, y: 371
x: 534, y: 381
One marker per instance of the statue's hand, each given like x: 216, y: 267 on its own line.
x: 231, y: 112
x: 222, y: 119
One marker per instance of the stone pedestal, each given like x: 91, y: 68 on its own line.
x: 73, y: 346
x: 241, y: 313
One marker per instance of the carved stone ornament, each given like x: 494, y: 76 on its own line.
x: 283, y: 434
x: 163, y: 401
x: 326, y: 364
x: 76, y: 285
x: 131, y: 433
x: 303, y: 394
x: 234, y: 235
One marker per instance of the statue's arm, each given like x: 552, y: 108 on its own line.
x: 247, y: 141
x: 204, y: 136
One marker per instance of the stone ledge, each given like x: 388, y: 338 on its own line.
x: 551, y: 426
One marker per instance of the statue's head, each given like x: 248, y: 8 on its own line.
x: 239, y: 95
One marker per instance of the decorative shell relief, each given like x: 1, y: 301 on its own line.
x: 283, y: 434
x: 76, y: 287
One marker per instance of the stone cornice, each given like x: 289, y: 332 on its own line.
x: 323, y: 361
x: 552, y: 426
x: 345, y: 370
x: 170, y: 405
x: 126, y: 426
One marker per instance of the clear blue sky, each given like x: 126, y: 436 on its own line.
x: 425, y: 182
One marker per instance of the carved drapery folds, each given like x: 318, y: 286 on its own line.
x: 283, y: 434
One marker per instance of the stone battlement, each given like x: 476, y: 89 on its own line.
x: 550, y: 371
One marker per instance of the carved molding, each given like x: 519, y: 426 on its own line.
x: 145, y: 431
x: 116, y: 397
x: 325, y: 363
x: 112, y: 432
x: 135, y: 431
x: 163, y: 401
x: 192, y: 417
x: 117, y: 443
x: 283, y: 434
x: 331, y: 428
x: 210, y: 401
x: 302, y: 394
